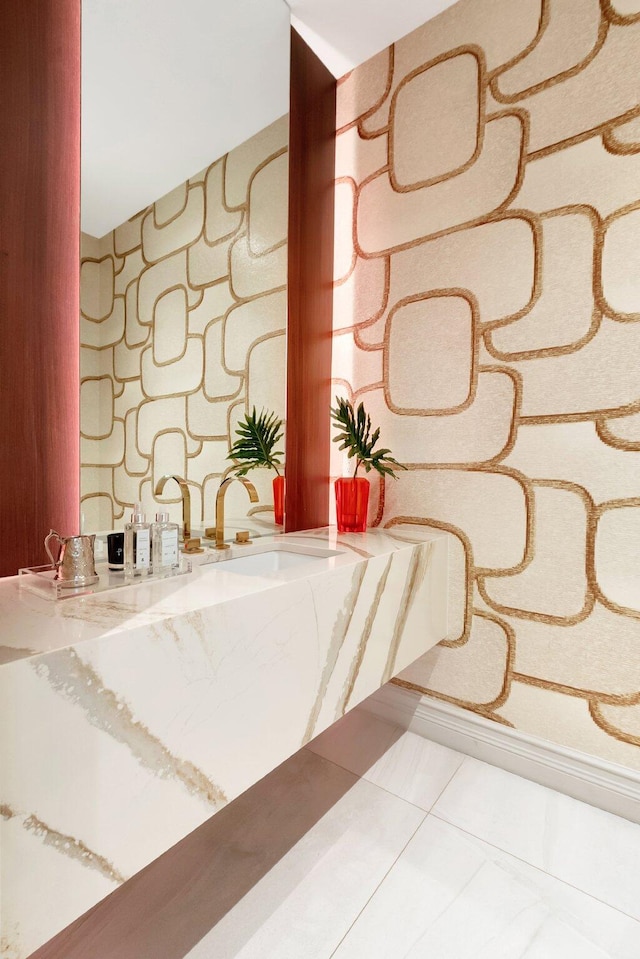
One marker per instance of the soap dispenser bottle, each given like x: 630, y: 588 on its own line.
x: 164, y: 543
x: 137, y: 544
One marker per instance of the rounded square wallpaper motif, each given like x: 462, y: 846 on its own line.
x: 486, y: 308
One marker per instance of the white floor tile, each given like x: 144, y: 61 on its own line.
x: 452, y: 896
x: 593, y: 850
x: 403, y: 763
x: 305, y: 904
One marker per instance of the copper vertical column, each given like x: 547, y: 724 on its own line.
x: 39, y: 275
x: 310, y: 287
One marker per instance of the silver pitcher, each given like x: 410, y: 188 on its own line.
x: 75, y: 562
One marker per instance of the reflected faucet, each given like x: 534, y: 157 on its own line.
x: 220, y: 495
x: 186, y: 501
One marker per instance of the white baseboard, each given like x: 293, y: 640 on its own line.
x: 588, y: 778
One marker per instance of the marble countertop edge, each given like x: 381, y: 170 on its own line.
x: 34, y: 626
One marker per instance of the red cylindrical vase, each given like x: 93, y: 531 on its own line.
x: 352, y: 504
x: 278, y: 499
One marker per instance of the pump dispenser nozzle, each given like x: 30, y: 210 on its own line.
x: 138, y: 514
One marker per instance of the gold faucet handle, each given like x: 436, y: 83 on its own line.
x: 192, y: 545
x: 242, y: 537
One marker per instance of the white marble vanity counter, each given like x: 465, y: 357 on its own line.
x: 31, y: 625
x: 128, y: 718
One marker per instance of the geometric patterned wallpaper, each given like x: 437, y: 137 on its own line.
x: 487, y: 310
x: 183, y: 317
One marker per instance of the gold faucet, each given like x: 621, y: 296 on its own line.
x: 222, y: 489
x: 186, y: 501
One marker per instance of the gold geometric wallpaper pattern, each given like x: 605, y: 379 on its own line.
x: 183, y: 318
x: 487, y: 309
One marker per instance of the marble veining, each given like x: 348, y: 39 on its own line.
x: 80, y: 683
x: 66, y: 845
x: 417, y: 573
x: 338, y: 636
x: 127, y: 719
x: 364, y: 638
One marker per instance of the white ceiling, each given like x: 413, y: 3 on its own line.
x: 168, y: 87
x: 345, y: 33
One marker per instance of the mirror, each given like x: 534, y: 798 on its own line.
x: 183, y: 330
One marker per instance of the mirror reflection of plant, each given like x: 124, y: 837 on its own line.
x: 356, y: 437
x: 258, y: 435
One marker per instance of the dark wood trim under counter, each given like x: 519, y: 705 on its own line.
x: 310, y: 287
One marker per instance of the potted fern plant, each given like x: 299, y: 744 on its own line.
x: 352, y: 493
x: 258, y: 435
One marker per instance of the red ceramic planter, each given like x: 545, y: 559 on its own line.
x: 278, y: 499
x: 352, y: 504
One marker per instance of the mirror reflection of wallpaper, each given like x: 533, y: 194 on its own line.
x: 183, y: 316
x: 487, y: 309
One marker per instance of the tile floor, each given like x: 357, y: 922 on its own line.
x: 373, y: 843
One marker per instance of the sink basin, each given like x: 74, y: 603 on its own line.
x: 274, y: 561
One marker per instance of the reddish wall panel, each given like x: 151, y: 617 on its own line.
x: 310, y: 286
x: 39, y: 275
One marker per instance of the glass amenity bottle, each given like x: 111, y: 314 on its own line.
x: 352, y: 503
x: 164, y: 544
x: 137, y: 544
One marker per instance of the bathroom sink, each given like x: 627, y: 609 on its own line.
x: 274, y: 560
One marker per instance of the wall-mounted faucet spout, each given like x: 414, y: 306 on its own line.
x: 186, y: 501
x: 220, y: 495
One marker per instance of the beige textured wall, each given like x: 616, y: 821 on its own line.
x: 183, y: 316
x: 487, y: 308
